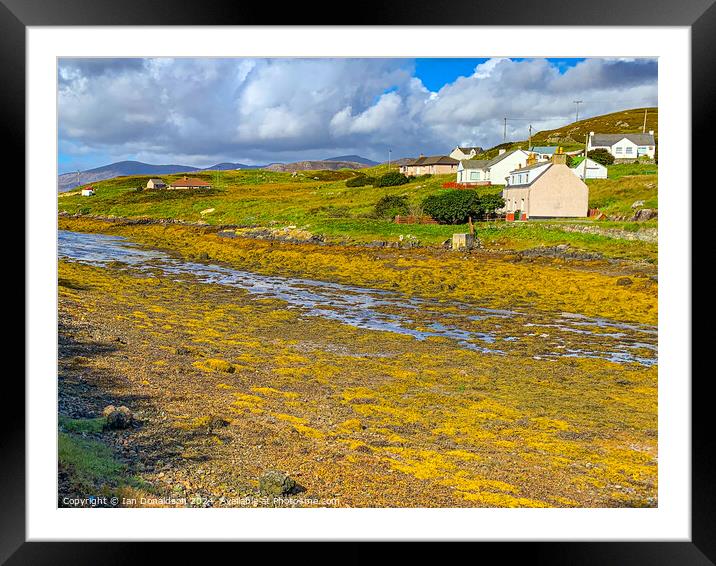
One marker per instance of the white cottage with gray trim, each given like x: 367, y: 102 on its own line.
x: 624, y: 146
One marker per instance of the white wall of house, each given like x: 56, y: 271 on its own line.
x: 520, y: 177
x: 498, y: 173
x: 458, y: 154
x: 594, y: 170
x: 470, y: 175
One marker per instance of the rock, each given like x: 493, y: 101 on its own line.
x: 276, y: 483
x: 117, y: 418
x: 624, y: 281
x: 644, y: 214
x: 203, y: 256
x: 637, y: 204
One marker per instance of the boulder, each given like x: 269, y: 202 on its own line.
x: 117, y: 417
x: 276, y: 483
x: 644, y: 214
x: 624, y: 281
x: 637, y: 204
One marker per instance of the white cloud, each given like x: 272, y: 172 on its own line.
x: 257, y: 110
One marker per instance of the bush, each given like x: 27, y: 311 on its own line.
x: 391, y: 206
x: 454, y: 207
x: 360, y: 181
x: 601, y: 156
x: 392, y: 179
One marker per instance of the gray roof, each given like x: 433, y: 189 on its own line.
x: 433, y: 160
x: 611, y: 139
x: 155, y: 180
x: 474, y: 163
x: 485, y: 163
x: 477, y: 149
x: 530, y: 167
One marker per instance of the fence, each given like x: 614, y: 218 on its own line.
x: 455, y: 185
x: 414, y: 220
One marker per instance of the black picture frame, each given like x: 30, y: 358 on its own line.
x: 698, y: 15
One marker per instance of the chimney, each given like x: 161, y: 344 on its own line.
x: 651, y: 132
x: 502, y: 151
x: 559, y: 157
x: 591, y: 134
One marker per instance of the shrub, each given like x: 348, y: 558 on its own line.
x: 392, y: 179
x: 601, y: 156
x: 391, y: 206
x: 360, y: 181
x: 454, y: 207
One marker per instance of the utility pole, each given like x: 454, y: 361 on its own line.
x: 586, y: 142
x: 504, y: 131
x: 389, y: 159
x: 78, y: 177
x: 643, y: 128
x: 529, y: 144
x: 577, y: 103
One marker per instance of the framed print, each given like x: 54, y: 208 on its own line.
x: 402, y: 280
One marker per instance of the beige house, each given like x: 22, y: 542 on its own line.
x: 546, y: 190
x: 190, y: 183
x: 432, y: 165
x: 461, y: 153
x: 156, y: 184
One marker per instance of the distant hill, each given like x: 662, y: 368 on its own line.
x: 315, y: 165
x: 353, y: 159
x: 68, y: 181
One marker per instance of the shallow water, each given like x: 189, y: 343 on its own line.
x: 470, y: 326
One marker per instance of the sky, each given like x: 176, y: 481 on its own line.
x: 203, y: 111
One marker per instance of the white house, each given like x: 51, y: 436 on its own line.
x: 594, y: 170
x: 156, y: 184
x: 493, y: 171
x: 624, y: 146
x: 461, y: 153
x: 546, y: 190
x: 88, y: 192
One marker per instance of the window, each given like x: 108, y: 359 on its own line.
x: 629, y: 149
x: 619, y: 150
x: 474, y: 175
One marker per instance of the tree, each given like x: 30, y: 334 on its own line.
x: 489, y: 204
x: 601, y: 155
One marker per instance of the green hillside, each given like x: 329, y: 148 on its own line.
x: 572, y: 136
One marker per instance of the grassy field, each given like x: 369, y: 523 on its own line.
x: 319, y: 202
